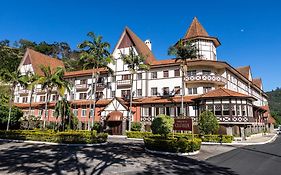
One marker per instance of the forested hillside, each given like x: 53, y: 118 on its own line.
x: 275, y: 103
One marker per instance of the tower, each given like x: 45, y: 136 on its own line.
x: 205, y: 44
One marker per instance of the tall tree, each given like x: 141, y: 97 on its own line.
x: 134, y: 63
x: 63, y: 111
x: 183, y: 50
x: 52, y: 80
x: 12, y: 79
x: 94, y: 55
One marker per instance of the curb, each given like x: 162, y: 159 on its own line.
x: 245, y: 144
x: 53, y: 143
x: 136, y: 139
x: 174, y: 154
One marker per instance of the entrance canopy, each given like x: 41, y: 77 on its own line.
x: 115, y: 116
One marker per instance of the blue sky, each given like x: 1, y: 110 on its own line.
x: 250, y: 31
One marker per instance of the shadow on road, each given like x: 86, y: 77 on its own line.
x: 24, y: 158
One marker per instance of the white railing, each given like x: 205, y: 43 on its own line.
x: 207, y: 78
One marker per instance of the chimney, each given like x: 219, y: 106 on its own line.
x: 148, y: 43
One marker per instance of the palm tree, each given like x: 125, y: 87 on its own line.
x: 63, y: 110
x: 95, y: 54
x: 51, y: 80
x: 184, y: 50
x: 13, y: 79
x: 135, y: 63
x: 31, y: 82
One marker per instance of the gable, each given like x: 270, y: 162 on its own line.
x: 126, y: 42
x: 27, y: 60
x: 115, y: 105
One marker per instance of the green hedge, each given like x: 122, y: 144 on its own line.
x: 138, y: 134
x: 205, y: 138
x: 170, y: 144
x: 57, y: 137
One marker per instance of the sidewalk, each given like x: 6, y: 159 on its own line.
x: 254, y: 140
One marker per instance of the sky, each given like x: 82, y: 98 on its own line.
x: 249, y: 31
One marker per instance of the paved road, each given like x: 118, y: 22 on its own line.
x: 115, y: 158
x: 256, y: 160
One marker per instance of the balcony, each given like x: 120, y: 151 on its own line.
x: 216, y: 79
x: 235, y: 119
x: 100, y: 86
x: 23, y: 91
x: 81, y: 87
x: 123, y: 84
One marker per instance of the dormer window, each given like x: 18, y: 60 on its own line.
x: 165, y: 73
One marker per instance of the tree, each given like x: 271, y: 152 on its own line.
x: 12, y: 116
x: 134, y: 63
x: 13, y: 79
x: 162, y: 125
x: 52, y: 80
x: 208, y: 123
x: 63, y: 111
x: 95, y: 55
x: 183, y: 50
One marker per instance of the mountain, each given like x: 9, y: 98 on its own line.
x: 274, y: 100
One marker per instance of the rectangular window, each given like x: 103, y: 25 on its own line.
x: 139, y: 76
x: 83, y: 96
x: 40, y: 112
x: 168, y: 111
x: 126, y: 77
x: 139, y: 92
x: 178, y: 111
x: 125, y: 94
x: 166, y: 91
x: 84, y: 112
x: 24, y: 99
x: 153, y: 75
x: 165, y: 73
x: 42, y: 98
x: 55, y: 98
x: 206, y: 89
x: 177, y: 72
x: 91, y: 112
x: 156, y: 111
x: 177, y: 90
x: 218, y: 110
x: 84, y: 81
x: 53, y: 113
x: 113, y: 78
x: 238, y: 110
x: 154, y: 91
x: 145, y: 111
x: 233, y: 109
x: 113, y: 93
x: 225, y: 109
x: 244, y: 110
x: 149, y: 111
x: 206, y: 72
x: 99, y: 95
x: 75, y: 112
x: 191, y: 73
x: 192, y: 90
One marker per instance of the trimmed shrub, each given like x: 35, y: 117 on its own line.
x: 57, y: 137
x: 136, y: 126
x: 138, y: 134
x: 170, y: 144
x: 162, y: 125
x: 208, y: 123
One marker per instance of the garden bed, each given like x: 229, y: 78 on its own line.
x: 205, y: 138
x: 67, y: 137
x: 172, y: 144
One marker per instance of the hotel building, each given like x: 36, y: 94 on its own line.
x: 235, y: 97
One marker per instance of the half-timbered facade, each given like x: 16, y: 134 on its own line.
x: 235, y: 97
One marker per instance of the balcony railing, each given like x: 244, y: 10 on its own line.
x: 218, y: 79
x: 23, y: 91
x: 123, y: 83
x: 81, y: 87
x: 235, y: 119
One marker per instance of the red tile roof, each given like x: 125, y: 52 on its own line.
x: 164, y: 62
x: 38, y: 59
x: 222, y: 93
x: 258, y: 82
x: 84, y: 72
x: 101, y: 102
x: 34, y: 105
x: 195, y: 30
x: 245, y: 71
x: 140, y: 46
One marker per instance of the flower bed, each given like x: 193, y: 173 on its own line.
x: 170, y: 144
x: 69, y: 137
